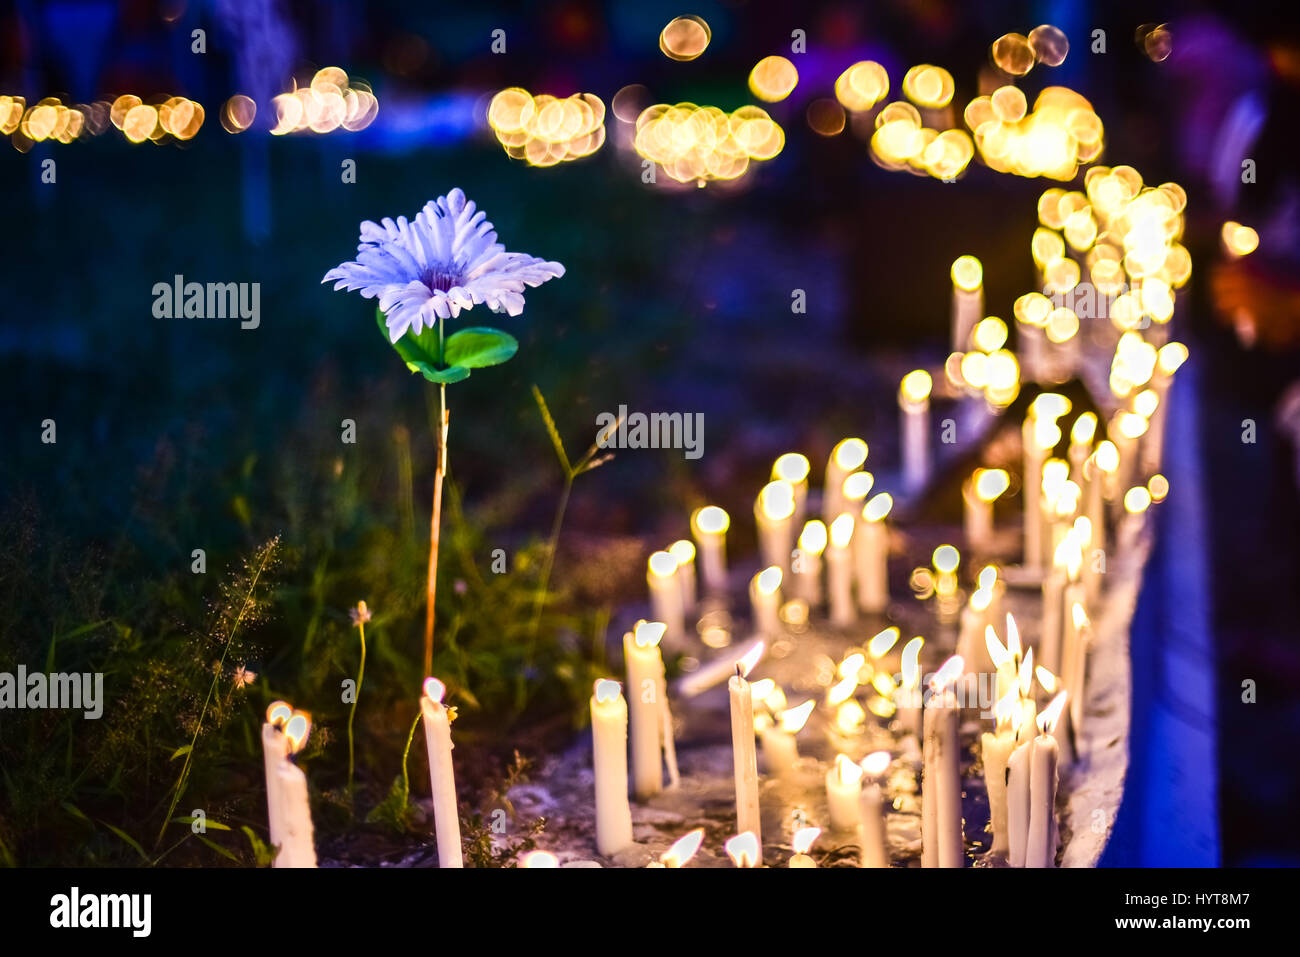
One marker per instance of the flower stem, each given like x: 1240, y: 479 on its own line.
x: 435, y: 522
x: 549, y: 563
x: 356, y: 696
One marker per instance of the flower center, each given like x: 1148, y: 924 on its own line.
x: 440, y: 278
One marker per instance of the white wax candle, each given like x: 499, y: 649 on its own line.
x: 996, y: 748
x: 1077, y: 679
x: 684, y: 554
x: 908, y: 695
x: 839, y: 571
x: 437, y: 739
x: 1040, y: 841
x: 970, y: 638
x: 847, y: 456
x: 275, y: 752
x: 765, y: 601
x: 646, y: 691
x: 794, y: 468
x: 666, y: 595
x: 871, y: 813
x: 774, y: 517
x: 609, y: 760
x: 843, y: 791
x: 871, y: 552
x: 807, y: 566
x: 1126, y: 428
x: 967, y: 300
x: 1018, y: 772
x: 780, y: 747
x: 942, y: 790
x: 709, y: 529
x: 914, y: 407
x: 744, y: 758
x: 297, y: 849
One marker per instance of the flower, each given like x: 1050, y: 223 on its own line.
x: 360, y: 614
x: 243, y: 677
x: 447, y: 260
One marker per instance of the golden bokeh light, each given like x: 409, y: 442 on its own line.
x: 545, y: 130
x: 773, y: 79
x: 684, y: 38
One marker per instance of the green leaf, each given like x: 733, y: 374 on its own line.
x: 218, y: 848
x: 552, y: 431
x: 479, y: 347
x: 75, y: 812
x: 129, y: 839
x: 215, y: 825
x: 183, y: 749
x: 444, y: 376
x: 421, y: 354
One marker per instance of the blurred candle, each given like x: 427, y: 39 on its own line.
x: 794, y: 468
x: 847, y: 456
x: 1168, y: 360
x: 1126, y: 428
x: 609, y: 759
x: 765, y: 601
x: 1049, y: 642
x: 774, y: 516
x: 839, y: 571
x: 275, y: 752
x: 1040, y: 436
x: 871, y: 812
x: 683, y: 553
x: 437, y: 740
x: 967, y: 300
x: 970, y: 638
x: 709, y: 529
x: 801, y: 844
x: 807, y: 569
x: 645, y: 684
x: 298, y: 848
x: 1081, y: 436
x: 744, y: 751
x: 780, y: 748
x: 980, y: 491
x: 872, y: 554
x: 914, y: 406
x: 942, y: 843
x: 1040, y: 843
x: 1076, y: 677
x: 843, y: 791
x: 663, y: 579
x: 909, y: 703
x: 996, y: 747
x: 1018, y: 806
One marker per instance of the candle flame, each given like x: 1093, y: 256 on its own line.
x: 1006, y: 709
x: 857, y: 485
x: 1049, y: 405
x: 1239, y: 240
x: 1170, y: 357
x: 852, y: 665
x: 884, y: 684
x: 296, y: 730
x: 812, y: 540
x: 987, y: 578
x: 980, y: 599
x: 662, y: 565
x: 804, y: 839
x: 1046, y: 680
x: 792, y: 466
x: 849, y: 454
x: 774, y: 700
x: 683, y: 551
x: 1050, y: 715
x: 949, y: 672
x: 990, y: 334
x: 1146, y: 402
x: 1056, y: 472
x: 847, y: 770
x: 750, y: 658
x: 849, y: 717
x: 1082, y: 530
x: 967, y: 273
x: 710, y: 520
x: 1046, y: 434
x: 876, y: 763
x: 1131, y: 425
x: 997, y: 651
x: 1079, y: 616
x: 842, y: 531
x: 434, y: 690
x: 683, y: 849
x: 878, y: 507
x: 1013, y: 637
x: 1158, y: 486
x: 1137, y: 500
x: 945, y: 559
x: 743, y: 849
x: 606, y: 690
x: 1107, y: 456
x: 768, y: 581
x: 793, y: 719
x: 883, y: 641
x: 776, y: 500
x: 1084, y: 429
x: 762, y: 688
x: 539, y: 859
x: 910, y: 669
x: 990, y: 483
x: 915, y: 387
x: 278, y: 712
x: 1025, y: 679
x: 648, y: 634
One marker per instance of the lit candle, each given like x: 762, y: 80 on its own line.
x: 765, y: 601
x: 745, y: 849
x: 847, y: 456
x: 683, y: 849
x: 666, y: 595
x: 275, y: 752
x: 843, y: 791
x: 967, y: 300
x: 996, y: 747
x: 743, y: 749
x: 609, y: 760
x: 683, y: 553
x: 1076, y: 676
x: 437, y: 740
x: 807, y: 565
x: 794, y: 468
x: 1081, y: 436
x: 1031, y: 312
x: 539, y: 859
x: 1125, y: 430
x: 871, y: 553
x: 645, y: 684
x: 908, y: 696
x: 1049, y: 642
x: 1018, y: 772
x: 1040, y: 844
x: 914, y: 406
x: 971, y: 644
x: 1057, y: 506
x: 709, y: 529
x: 774, y: 516
x: 1040, y: 435
x: 801, y: 844
x: 839, y: 571
x: 980, y: 491
x: 297, y: 849
x: 780, y: 748
x: 871, y: 812
x: 942, y: 844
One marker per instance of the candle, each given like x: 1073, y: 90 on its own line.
x: 609, y: 760
x: 1051, y: 684
x: 945, y: 560
x: 843, y: 790
x: 745, y: 849
x: 854, y: 490
x: 1018, y: 807
x: 1031, y: 311
x: 1006, y: 659
x: 871, y: 553
x: 1056, y: 506
x: 765, y: 601
x: 709, y: 529
x: 871, y: 812
x: 908, y: 696
x: 297, y: 849
x: 646, y: 691
x: 1027, y: 708
x: 539, y: 859
x: 1168, y: 360
x: 743, y: 751
x: 683, y: 553
x: 780, y: 749
x: 1125, y: 430
x: 847, y: 456
x: 914, y: 407
x: 942, y: 842
x: 839, y: 571
x: 666, y: 595
x: 1040, y: 843
x: 1081, y: 436
x: 801, y: 844
x: 794, y: 468
x: 996, y: 748
x: 979, y: 492
x: 971, y: 644
x: 1040, y: 436
x: 1076, y: 678
x: 437, y: 739
x: 807, y: 565
x: 967, y: 300
x: 275, y: 752
x: 683, y: 849
x: 774, y: 515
